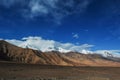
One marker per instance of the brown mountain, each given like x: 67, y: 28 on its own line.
x: 9, y: 52
x: 12, y: 53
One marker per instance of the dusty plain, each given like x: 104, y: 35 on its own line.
x: 16, y: 71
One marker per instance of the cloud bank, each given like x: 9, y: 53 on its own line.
x: 38, y: 43
x: 41, y: 44
x: 54, y: 9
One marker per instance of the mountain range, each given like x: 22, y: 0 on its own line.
x: 12, y: 53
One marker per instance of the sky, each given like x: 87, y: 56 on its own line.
x: 93, y: 22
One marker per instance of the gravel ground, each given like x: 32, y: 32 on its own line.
x: 14, y: 71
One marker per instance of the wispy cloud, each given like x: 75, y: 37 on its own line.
x: 54, y: 9
x: 76, y: 36
x: 115, y: 31
x: 10, y: 3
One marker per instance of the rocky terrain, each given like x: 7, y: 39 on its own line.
x: 20, y: 71
x: 18, y: 63
x: 12, y: 53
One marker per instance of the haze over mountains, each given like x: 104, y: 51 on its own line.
x: 12, y: 53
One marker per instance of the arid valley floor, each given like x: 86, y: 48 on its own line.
x: 13, y: 71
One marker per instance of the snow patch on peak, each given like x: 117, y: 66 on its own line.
x: 86, y: 51
x: 41, y: 44
x: 38, y: 43
x: 108, y: 53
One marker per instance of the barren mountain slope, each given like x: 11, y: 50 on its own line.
x: 11, y: 53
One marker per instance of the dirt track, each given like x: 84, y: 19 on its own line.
x: 13, y: 71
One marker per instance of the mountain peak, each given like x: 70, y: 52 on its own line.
x: 3, y: 42
x: 12, y: 53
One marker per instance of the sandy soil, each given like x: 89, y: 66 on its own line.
x: 13, y: 71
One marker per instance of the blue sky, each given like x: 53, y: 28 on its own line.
x: 95, y: 22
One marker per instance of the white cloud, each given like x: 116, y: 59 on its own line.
x: 37, y: 8
x: 44, y: 45
x: 56, y: 9
x: 39, y: 43
x: 76, y: 36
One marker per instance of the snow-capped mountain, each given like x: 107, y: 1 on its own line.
x: 12, y: 53
x: 38, y: 43
x: 108, y: 53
